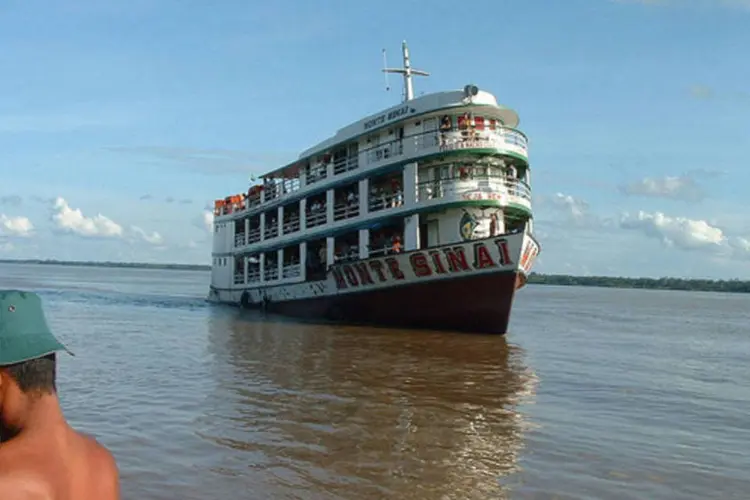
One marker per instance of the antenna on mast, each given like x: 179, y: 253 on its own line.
x: 385, y: 66
x: 407, y: 71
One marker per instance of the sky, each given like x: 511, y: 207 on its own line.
x: 121, y: 122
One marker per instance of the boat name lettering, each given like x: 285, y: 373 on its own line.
x: 386, y: 117
x: 528, y: 256
x: 422, y: 264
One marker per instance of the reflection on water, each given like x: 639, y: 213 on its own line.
x: 644, y: 395
x: 364, y: 413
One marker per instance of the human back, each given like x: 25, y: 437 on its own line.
x: 64, y: 465
x: 41, y: 455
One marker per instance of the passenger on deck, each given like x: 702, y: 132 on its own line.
x: 396, y: 247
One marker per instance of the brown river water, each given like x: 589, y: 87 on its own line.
x: 594, y: 393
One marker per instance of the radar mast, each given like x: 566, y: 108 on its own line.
x: 407, y: 71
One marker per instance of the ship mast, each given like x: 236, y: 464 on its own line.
x: 407, y: 71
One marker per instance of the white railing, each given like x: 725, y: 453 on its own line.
x: 376, y: 251
x: 477, y: 188
x: 239, y: 278
x: 272, y: 230
x: 272, y: 271
x: 502, y: 138
x: 345, y: 211
x: 253, y: 275
x: 385, y: 151
x: 253, y: 200
x: 352, y: 254
x: 291, y: 225
x: 253, y: 236
x: 317, y: 173
x: 342, y: 165
x: 316, y: 218
x: 239, y: 239
x: 279, y: 189
x: 291, y: 271
x: 382, y: 201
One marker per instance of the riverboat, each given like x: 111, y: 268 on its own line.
x: 418, y: 216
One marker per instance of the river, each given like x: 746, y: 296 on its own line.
x: 594, y: 393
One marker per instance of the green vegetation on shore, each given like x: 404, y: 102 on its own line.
x: 134, y: 265
x: 695, y: 285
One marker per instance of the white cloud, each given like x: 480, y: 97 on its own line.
x: 741, y: 246
x: 575, y: 211
x: 687, y: 234
x: 6, y: 247
x: 572, y: 207
x: 678, y: 231
x: 153, y: 238
x: 69, y: 220
x: 15, y: 226
x: 683, y: 187
x: 205, y: 221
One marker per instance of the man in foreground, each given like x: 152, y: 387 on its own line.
x: 41, y: 456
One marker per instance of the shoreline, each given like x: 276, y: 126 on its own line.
x: 682, y: 284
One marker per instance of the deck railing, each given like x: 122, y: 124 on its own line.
x: 253, y: 236
x: 316, y: 218
x: 271, y: 271
x: 345, y: 210
x: 317, y: 173
x: 474, y: 188
x: 291, y: 271
x: 501, y: 138
x: 352, y: 254
x: 342, y: 165
x: 292, y: 225
x: 383, y: 201
x: 272, y: 230
x: 239, y: 239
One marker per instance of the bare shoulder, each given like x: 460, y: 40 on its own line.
x: 102, y: 461
x: 19, y: 484
x: 99, y: 451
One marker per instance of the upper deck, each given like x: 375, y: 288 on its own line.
x: 418, y: 107
x: 438, y: 124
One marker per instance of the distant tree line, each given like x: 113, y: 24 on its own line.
x: 136, y: 265
x: 695, y: 285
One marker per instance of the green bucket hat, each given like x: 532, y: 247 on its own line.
x: 24, y: 334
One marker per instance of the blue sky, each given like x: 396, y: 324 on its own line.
x: 121, y: 121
